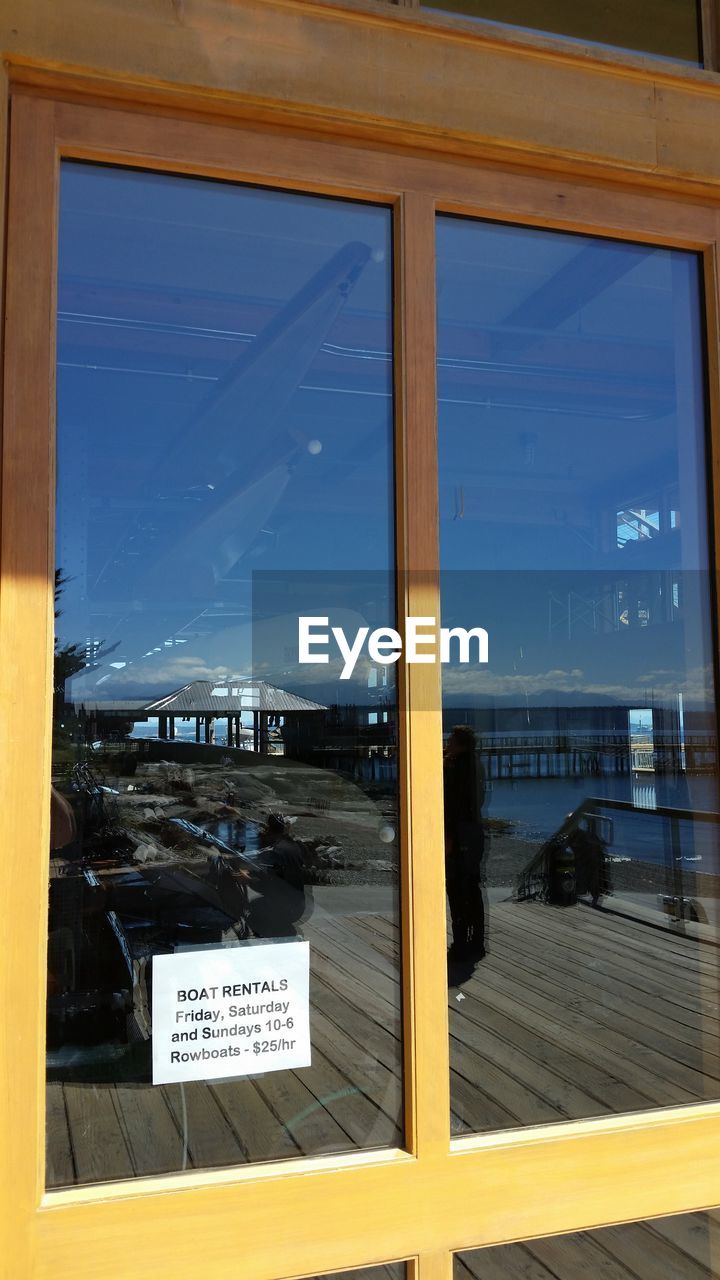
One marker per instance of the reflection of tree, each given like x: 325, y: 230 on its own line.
x: 69, y: 658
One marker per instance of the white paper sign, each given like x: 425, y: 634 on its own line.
x: 234, y: 1011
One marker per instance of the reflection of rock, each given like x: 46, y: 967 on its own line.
x: 149, y: 853
x: 335, y: 821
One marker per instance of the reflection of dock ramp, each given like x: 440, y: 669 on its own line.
x: 571, y: 862
x: 574, y: 862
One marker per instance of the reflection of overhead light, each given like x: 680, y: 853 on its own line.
x: 314, y: 446
x: 118, y: 665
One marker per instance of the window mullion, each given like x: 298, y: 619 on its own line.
x: 425, y: 988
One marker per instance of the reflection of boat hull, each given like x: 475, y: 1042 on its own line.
x: 104, y: 930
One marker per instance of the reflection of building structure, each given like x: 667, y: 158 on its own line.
x: 206, y: 702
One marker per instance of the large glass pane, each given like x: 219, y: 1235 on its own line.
x: 580, y: 769
x: 670, y: 28
x: 684, y: 1247
x: 219, y: 813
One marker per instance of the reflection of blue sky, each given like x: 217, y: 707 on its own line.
x: 182, y: 469
x: 571, y: 438
x: 555, y: 640
x: 194, y: 453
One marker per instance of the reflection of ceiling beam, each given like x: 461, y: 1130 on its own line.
x: 212, y: 450
x: 588, y: 274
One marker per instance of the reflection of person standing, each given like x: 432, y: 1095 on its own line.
x: 464, y: 790
x: 281, y: 899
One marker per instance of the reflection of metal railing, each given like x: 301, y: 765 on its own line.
x: 573, y: 861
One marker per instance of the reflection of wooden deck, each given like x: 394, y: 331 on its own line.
x: 579, y: 1013
x: 573, y: 1013
x: 681, y: 1248
x: 350, y: 1097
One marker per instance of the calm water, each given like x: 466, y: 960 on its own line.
x: 537, y: 807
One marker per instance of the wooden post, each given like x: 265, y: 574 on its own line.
x: 172, y: 728
x: 207, y: 729
x: 230, y: 731
x: 256, y: 730
x: 162, y: 726
x: 197, y: 728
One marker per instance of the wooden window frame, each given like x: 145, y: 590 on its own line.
x: 309, y: 1215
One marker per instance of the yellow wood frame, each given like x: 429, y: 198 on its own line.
x: 319, y: 1214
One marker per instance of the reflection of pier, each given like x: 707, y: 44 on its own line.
x: 550, y: 756
x: 580, y: 755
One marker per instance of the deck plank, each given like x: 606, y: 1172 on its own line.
x: 696, y: 1234
x: 509, y: 1262
x: 639, y: 995
x: 568, y: 1257
x: 299, y: 1112
x: 254, y: 1124
x: 211, y: 1142
x: 370, y: 1035
x: 583, y: 1033
x: 60, y: 1167
x: 609, y: 963
x: 152, y: 1136
x: 602, y: 1075
x: 100, y: 1151
x: 364, y: 1123
x: 645, y: 1253
x: 377, y: 1081
x: 525, y: 974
